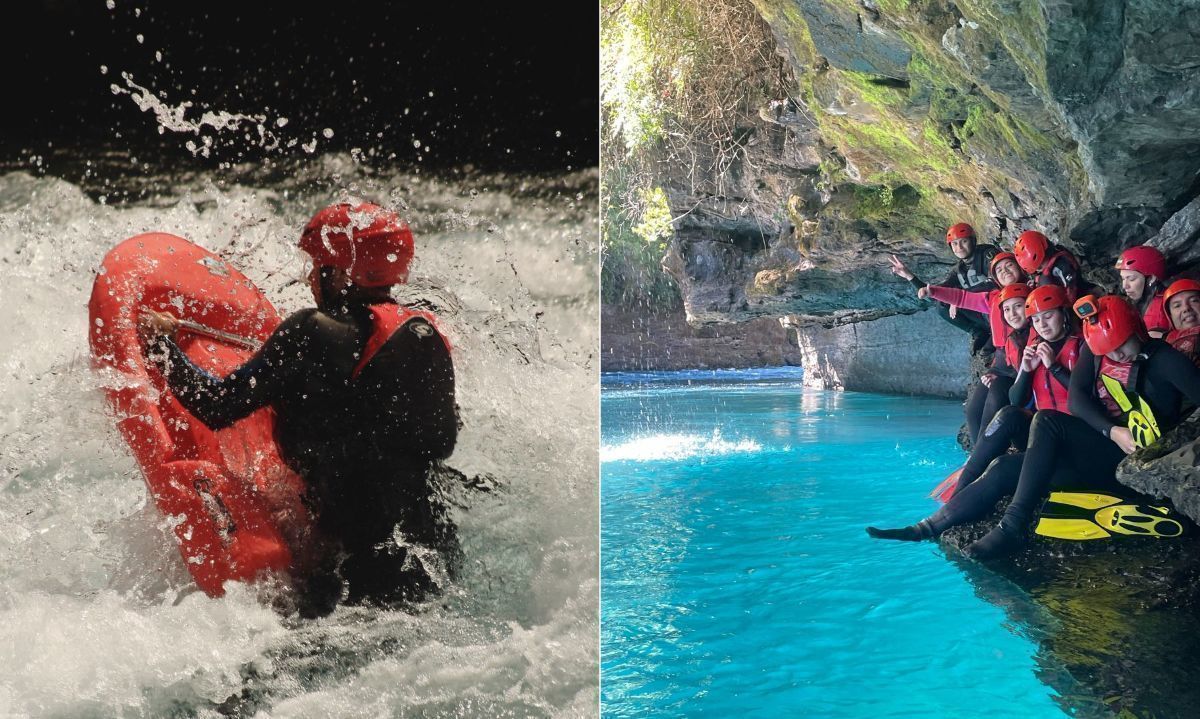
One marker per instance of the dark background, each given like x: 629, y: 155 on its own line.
x: 515, y: 85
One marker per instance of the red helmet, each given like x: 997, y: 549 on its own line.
x: 1046, y: 297
x: 1145, y: 260
x: 1031, y: 250
x: 1177, y: 287
x: 371, y: 243
x: 1000, y: 257
x: 1017, y: 290
x: 959, y: 231
x: 1110, y: 323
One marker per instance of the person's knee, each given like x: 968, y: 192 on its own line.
x: 1047, y: 424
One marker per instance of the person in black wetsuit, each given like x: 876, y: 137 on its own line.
x: 1081, y: 450
x: 970, y: 274
x: 363, y: 395
x: 1049, y: 264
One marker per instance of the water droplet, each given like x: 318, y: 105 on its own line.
x: 392, y: 257
x: 558, y: 133
x: 104, y: 69
x: 158, y: 55
x: 416, y: 143
x: 99, y: 322
x: 141, y: 38
x: 327, y: 132
x: 281, y: 122
x: 112, y: 4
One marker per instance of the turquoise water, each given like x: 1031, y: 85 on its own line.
x: 737, y: 579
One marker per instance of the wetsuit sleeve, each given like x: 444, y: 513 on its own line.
x: 218, y: 402
x: 1022, y: 389
x: 1176, y: 368
x: 976, y: 301
x: 917, y: 282
x: 952, y: 279
x: 1082, y: 400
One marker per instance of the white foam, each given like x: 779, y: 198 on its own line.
x: 661, y: 447
x: 88, y: 568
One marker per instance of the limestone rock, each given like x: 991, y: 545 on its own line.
x: 1170, y: 468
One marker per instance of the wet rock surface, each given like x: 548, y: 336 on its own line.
x: 1170, y: 468
x: 1076, y: 118
x: 1117, y: 621
x: 901, y: 354
x: 634, y: 342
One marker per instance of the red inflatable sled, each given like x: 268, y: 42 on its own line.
x: 224, y: 491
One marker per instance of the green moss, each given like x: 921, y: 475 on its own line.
x: 873, y: 92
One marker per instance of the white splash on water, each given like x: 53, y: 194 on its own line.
x: 94, y: 605
x: 661, y: 447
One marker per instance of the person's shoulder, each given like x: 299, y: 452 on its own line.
x: 303, y: 321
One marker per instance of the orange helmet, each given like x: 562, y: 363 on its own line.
x: 371, y: 243
x: 959, y: 231
x: 1017, y: 290
x: 1178, y: 287
x: 1031, y: 250
x: 1046, y: 297
x: 1000, y: 257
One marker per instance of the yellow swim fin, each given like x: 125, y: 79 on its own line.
x: 1081, y: 516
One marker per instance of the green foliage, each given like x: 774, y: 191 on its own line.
x: 631, y: 273
x: 656, y: 216
x: 877, y: 201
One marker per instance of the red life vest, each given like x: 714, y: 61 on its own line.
x: 1155, y: 315
x: 1048, y: 392
x: 1014, y: 345
x: 1187, y: 342
x: 1120, y: 371
x: 386, y: 318
x: 1047, y: 270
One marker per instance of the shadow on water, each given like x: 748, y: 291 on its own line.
x: 1115, y: 621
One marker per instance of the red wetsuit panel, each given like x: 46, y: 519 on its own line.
x: 385, y: 320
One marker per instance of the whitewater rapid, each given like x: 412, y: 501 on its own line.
x: 97, y: 613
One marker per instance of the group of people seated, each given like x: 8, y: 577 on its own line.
x: 1078, y: 378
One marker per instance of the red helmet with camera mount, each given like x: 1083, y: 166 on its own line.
x: 1108, y: 322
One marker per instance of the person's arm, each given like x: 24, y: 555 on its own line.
x: 975, y: 301
x: 1179, y: 371
x: 218, y: 402
x: 1021, y: 390
x: 1081, y: 400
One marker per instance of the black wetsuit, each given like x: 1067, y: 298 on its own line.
x: 1010, y: 425
x: 1073, y: 450
x: 364, y: 446
x: 971, y: 275
x: 984, y: 401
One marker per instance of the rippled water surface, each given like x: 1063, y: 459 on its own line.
x: 738, y: 580
x: 97, y: 614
